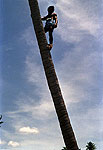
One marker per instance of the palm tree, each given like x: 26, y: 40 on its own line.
x: 1, y: 121
x: 90, y: 146
x: 64, y: 148
x: 66, y: 128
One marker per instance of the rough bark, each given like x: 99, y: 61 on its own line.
x: 66, y: 128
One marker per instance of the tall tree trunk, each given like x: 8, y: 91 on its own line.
x: 66, y: 128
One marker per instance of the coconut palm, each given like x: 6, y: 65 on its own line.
x: 0, y: 119
x: 66, y: 128
x: 64, y: 148
x: 90, y: 146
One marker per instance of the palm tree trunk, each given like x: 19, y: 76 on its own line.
x: 66, y: 128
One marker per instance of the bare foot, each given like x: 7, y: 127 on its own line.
x: 50, y: 46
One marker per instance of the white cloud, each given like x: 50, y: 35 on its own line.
x: 35, y: 76
x: 34, y: 72
x: 79, y: 72
x: 13, y: 144
x: 39, y: 111
x: 89, y: 126
x: 2, y: 142
x: 29, y: 130
x: 77, y: 19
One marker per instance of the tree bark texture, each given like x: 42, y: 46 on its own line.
x: 65, y: 125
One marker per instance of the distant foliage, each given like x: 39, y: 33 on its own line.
x: 0, y: 120
x: 64, y: 148
x: 90, y: 146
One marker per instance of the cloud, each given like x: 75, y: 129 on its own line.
x: 13, y: 144
x: 28, y: 37
x: 80, y: 71
x: 29, y: 130
x: 41, y: 110
x: 34, y: 72
x: 2, y: 142
x: 77, y: 19
x: 91, y: 121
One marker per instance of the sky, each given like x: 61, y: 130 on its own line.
x: 30, y: 120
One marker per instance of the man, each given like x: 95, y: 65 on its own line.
x: 51, y: 23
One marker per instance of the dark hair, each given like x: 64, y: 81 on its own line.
x: 50, y: 9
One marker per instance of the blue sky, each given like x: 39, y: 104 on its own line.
x: 30, y: 121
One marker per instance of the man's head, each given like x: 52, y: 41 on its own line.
x: 50, y: 9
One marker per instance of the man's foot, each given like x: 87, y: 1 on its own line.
x: 50, y: 46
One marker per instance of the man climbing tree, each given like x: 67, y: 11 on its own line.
x: 51, y: 23
x: 64, y: 121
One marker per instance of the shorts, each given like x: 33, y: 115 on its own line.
x: 49, y: 24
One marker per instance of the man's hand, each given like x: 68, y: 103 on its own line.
x: 44, y: 18
x: 55, y: 25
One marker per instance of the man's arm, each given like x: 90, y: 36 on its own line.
x: 44, y: 18
x: 56, y: 21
